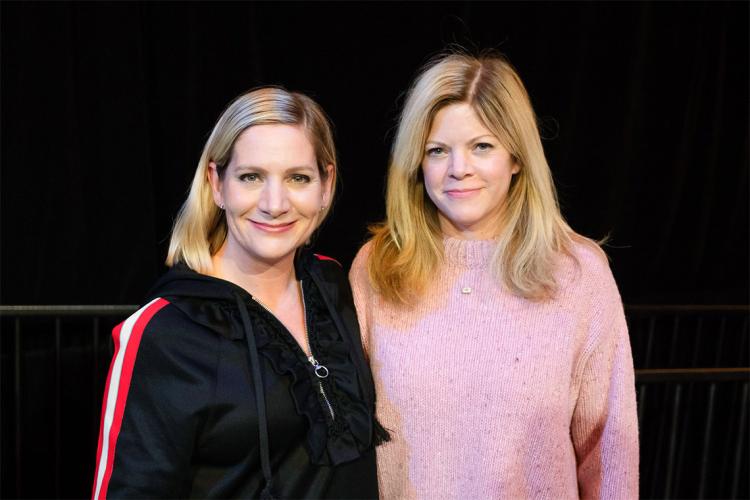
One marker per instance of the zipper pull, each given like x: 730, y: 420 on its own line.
x: 320, y: 370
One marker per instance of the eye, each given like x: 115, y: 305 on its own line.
x: 300, y: 178
x: 436, y: 151
x: 483, y: 146
x: 250, y: 177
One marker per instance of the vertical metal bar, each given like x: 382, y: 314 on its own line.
x: 95, y: 384
x: 684, y: 418
x: 707, y: 440
x: 672, y: 441
x: 743, y: 350
x: 17, y: 397
x: 718, y: 355
x: 675, y: 400
x: 2, y: 456
x: 673, y: 341
x: 641, y: 403
x: 740, y: 440
x: 58, y: 369
x: 697, y: 342
x: 725, y: 444
x: 650, y: 341
x: 686, y: 414
x: 659, y: 393
x: 646, y: 364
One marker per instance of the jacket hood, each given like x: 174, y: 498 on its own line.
x: 181, y: 281
x: 206, y: 300
x: 210, y: 301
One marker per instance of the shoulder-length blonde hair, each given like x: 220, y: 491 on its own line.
x: 408, y: 247
x: 200, y: 228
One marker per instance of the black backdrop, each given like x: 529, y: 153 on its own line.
x: 105, y: 108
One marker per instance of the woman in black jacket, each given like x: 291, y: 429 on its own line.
x: 243, y: 375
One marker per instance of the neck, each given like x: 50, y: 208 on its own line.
x: 269, y: 282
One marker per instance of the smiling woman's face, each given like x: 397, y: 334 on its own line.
x: 272, y: 193
x: 467, y: 174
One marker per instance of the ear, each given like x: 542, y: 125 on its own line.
x: 215, y: 181
x: 328, y: 185
x: 515, y: 168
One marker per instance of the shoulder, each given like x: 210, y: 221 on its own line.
x: 327, y: 267
x: 146, y: 318
x: 589, y: 287
x: 358, y: 273
x: 162, y: 326
x: 587, y: 265
x: 359, y: 263
x: 327, y: 259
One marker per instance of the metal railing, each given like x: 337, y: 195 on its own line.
x: 692, y: 377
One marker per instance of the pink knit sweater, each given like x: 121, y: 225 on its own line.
x: 488, y: 395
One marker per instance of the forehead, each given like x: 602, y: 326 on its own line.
x: 276, y: 144
x: 456, y: 121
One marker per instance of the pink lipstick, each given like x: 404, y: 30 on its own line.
x: 461, y: 193
x: 272, y: 228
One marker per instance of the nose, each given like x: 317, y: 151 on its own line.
x: 460, y: 165
x: 274, y: 199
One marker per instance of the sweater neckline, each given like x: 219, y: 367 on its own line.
x: 468, y: 253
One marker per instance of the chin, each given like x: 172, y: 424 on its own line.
x: 271, y: 251
x: 271, y: 257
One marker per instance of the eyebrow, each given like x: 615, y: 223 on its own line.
x: 295, y: 168
x: 474, y: 139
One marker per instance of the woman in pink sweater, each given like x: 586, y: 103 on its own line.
x: 495, y: 333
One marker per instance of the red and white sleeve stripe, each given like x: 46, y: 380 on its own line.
x: 127, y: 336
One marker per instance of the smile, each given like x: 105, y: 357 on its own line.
x: 461, y: 193
x: 272, y: 228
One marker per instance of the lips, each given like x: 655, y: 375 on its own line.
x: 272, y: 228
x: 462, y: 192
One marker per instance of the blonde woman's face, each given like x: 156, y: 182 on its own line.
x: 467, y: 174
x: 272, y: 193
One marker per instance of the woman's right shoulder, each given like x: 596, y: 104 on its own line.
x: 163, y: 324
x: 358, y: 274
x: 360, y: 260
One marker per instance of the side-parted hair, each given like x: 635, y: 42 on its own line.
x: 201, y: 228
x: 407, y: 247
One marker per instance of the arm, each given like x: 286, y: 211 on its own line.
x: 148, y: 429
x: 604, y: 428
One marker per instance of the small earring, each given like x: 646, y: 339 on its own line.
x: 221, y: 206
x: 323, y: 207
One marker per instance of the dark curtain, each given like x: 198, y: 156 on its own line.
x: 106, y: 106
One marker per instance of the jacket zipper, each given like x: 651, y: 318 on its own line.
x: 320, y: 371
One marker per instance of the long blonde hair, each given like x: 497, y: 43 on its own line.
x: 200, y: 228
x: 407, y: 247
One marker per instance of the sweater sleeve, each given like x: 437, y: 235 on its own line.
x: 148, y: 424
x: 361, y: 291
x: 604, y: 427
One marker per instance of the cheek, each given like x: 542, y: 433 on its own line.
x: 500, y: 176
x: 308, y: 203
x: 432, y: 180
x: 240, y: 197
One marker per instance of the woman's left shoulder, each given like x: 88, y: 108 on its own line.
x: 328, y: 267
x: 587, y: 265
x: 325, y: 259
x: 327, y: 271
